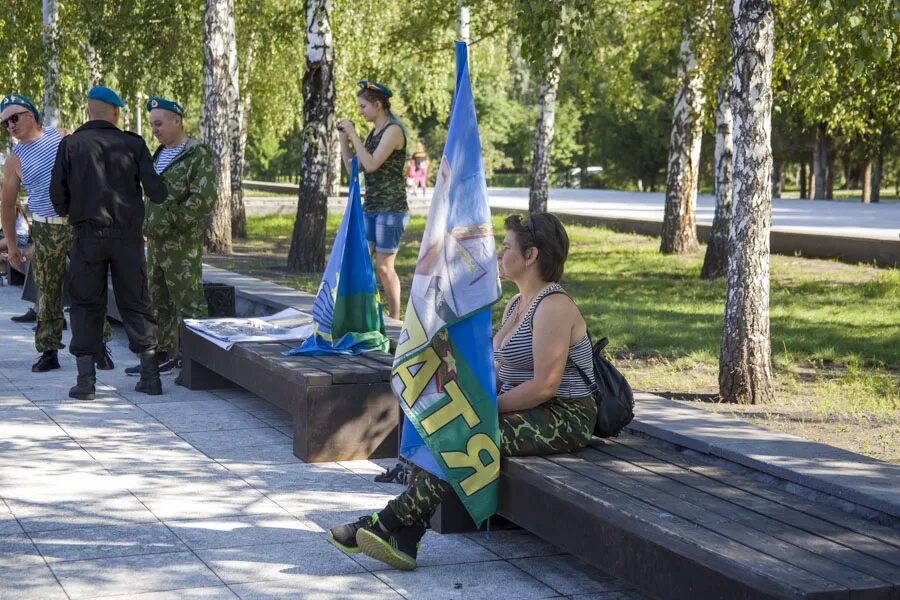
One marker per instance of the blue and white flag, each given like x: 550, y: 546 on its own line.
x: 443, y: 369
x: 347, y: 314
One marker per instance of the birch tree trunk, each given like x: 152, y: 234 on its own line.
x: 308, y: 241
x: 94, y: 65
x: 235, y: 127
x: 543, y: 136
x: 801, y: 179
x: 462, y: 24
x: 50, y: 13
x: 679, y: 231
x: 872, y: 179
x: 715, y: 263
x: 214, y: 117
x: 745, y: 370
x: 820, y: 165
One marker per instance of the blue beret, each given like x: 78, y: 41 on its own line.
x: 20, y: 100
x: 371, y: 85
x: 104, y: 94
x: 170, y: 105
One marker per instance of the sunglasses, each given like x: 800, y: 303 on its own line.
x: 13, y: 119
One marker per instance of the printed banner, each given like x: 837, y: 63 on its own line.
x: 443, y: 370
x: 347, y: 312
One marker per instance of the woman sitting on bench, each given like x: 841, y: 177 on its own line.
x: 545, y: 406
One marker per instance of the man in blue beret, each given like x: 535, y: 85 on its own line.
x: 96, y: 181
x: 174, y: 229
x: 29, y: 166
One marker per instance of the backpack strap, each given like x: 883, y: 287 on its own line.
x: 592, y: 385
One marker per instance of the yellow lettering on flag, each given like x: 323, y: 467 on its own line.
x: 484, y: 473
x: 414, y: 383
x: 412, y: 327
x: 457, y: 407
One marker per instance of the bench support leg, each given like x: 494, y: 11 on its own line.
x: 195, y: 376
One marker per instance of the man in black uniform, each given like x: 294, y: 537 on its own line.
x: 96, y: 181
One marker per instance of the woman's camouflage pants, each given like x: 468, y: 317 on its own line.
x: 556, y: 426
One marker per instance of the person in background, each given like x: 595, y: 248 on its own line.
x: 382, y: 158
x: 30, y: 165
x: 420, y: 175
x: 96, y: 182
x: 174, y: 229
x: 22, y: 241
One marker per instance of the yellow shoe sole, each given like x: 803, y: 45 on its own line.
x: 373, y: 546
x: 346, y: 549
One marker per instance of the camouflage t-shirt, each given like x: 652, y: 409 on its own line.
x: 386, y: 186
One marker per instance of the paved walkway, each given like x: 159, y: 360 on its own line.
x: 197, y: 495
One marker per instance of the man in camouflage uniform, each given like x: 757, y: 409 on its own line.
x: 174, y: 229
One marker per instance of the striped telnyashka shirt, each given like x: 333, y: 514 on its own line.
x: 165, y: 157
x: 37, y: 160
x: 516, y: 356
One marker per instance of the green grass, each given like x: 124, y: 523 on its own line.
x: 835, y: 328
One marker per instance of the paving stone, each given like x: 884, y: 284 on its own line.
x: 51, y: 515
x: 133, y: 574
x: 32, y: 581
x: 223, y: 420
x: 245, y: 530
x: 262, y: 436
x: 568, y: 575
x: 107, y: 541
x: 514, y: 543
x: 278, y: 561
x: 205, y: 593
x: 488, y: 580
x: 192, y: 407
x: 311, y: 587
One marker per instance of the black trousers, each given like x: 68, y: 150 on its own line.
x: 95, y: 254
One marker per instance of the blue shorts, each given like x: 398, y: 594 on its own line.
x: 384, y: 230
x: 22, y: 241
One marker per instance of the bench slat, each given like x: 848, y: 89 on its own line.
x: 815, y: 517
x: 666, y: 555
x: 346, y: 369
x: 779, y: 540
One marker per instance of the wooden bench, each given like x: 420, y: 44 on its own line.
x: 679, y: 527
x: 342, y: 406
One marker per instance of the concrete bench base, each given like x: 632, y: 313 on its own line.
x: 342, y: 407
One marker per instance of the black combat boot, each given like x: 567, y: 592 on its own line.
x: 48, y: 361
x: 87, y: 377
x: 149, y: 382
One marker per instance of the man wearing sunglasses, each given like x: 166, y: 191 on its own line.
x: 29, y: 166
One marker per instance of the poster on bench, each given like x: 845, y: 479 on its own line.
x: 288, y: 325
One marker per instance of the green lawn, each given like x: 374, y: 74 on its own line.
x: 835, y: 328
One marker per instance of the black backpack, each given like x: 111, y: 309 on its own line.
x: 610, y: 390
x: 615, y: 401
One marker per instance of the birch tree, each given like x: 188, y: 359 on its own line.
x: 679, y: 230
x: 543, y: 133
x: 235, y: 131
x: 307, y: 251
x: 745, y: 370
x: 715, y: 262
x: 50, y: 14
x: 214, y: 117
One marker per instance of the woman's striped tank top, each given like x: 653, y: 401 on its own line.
x: 516, y: 356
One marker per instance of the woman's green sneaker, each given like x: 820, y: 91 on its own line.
x: 344, y: 536
x: 395, y: 548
